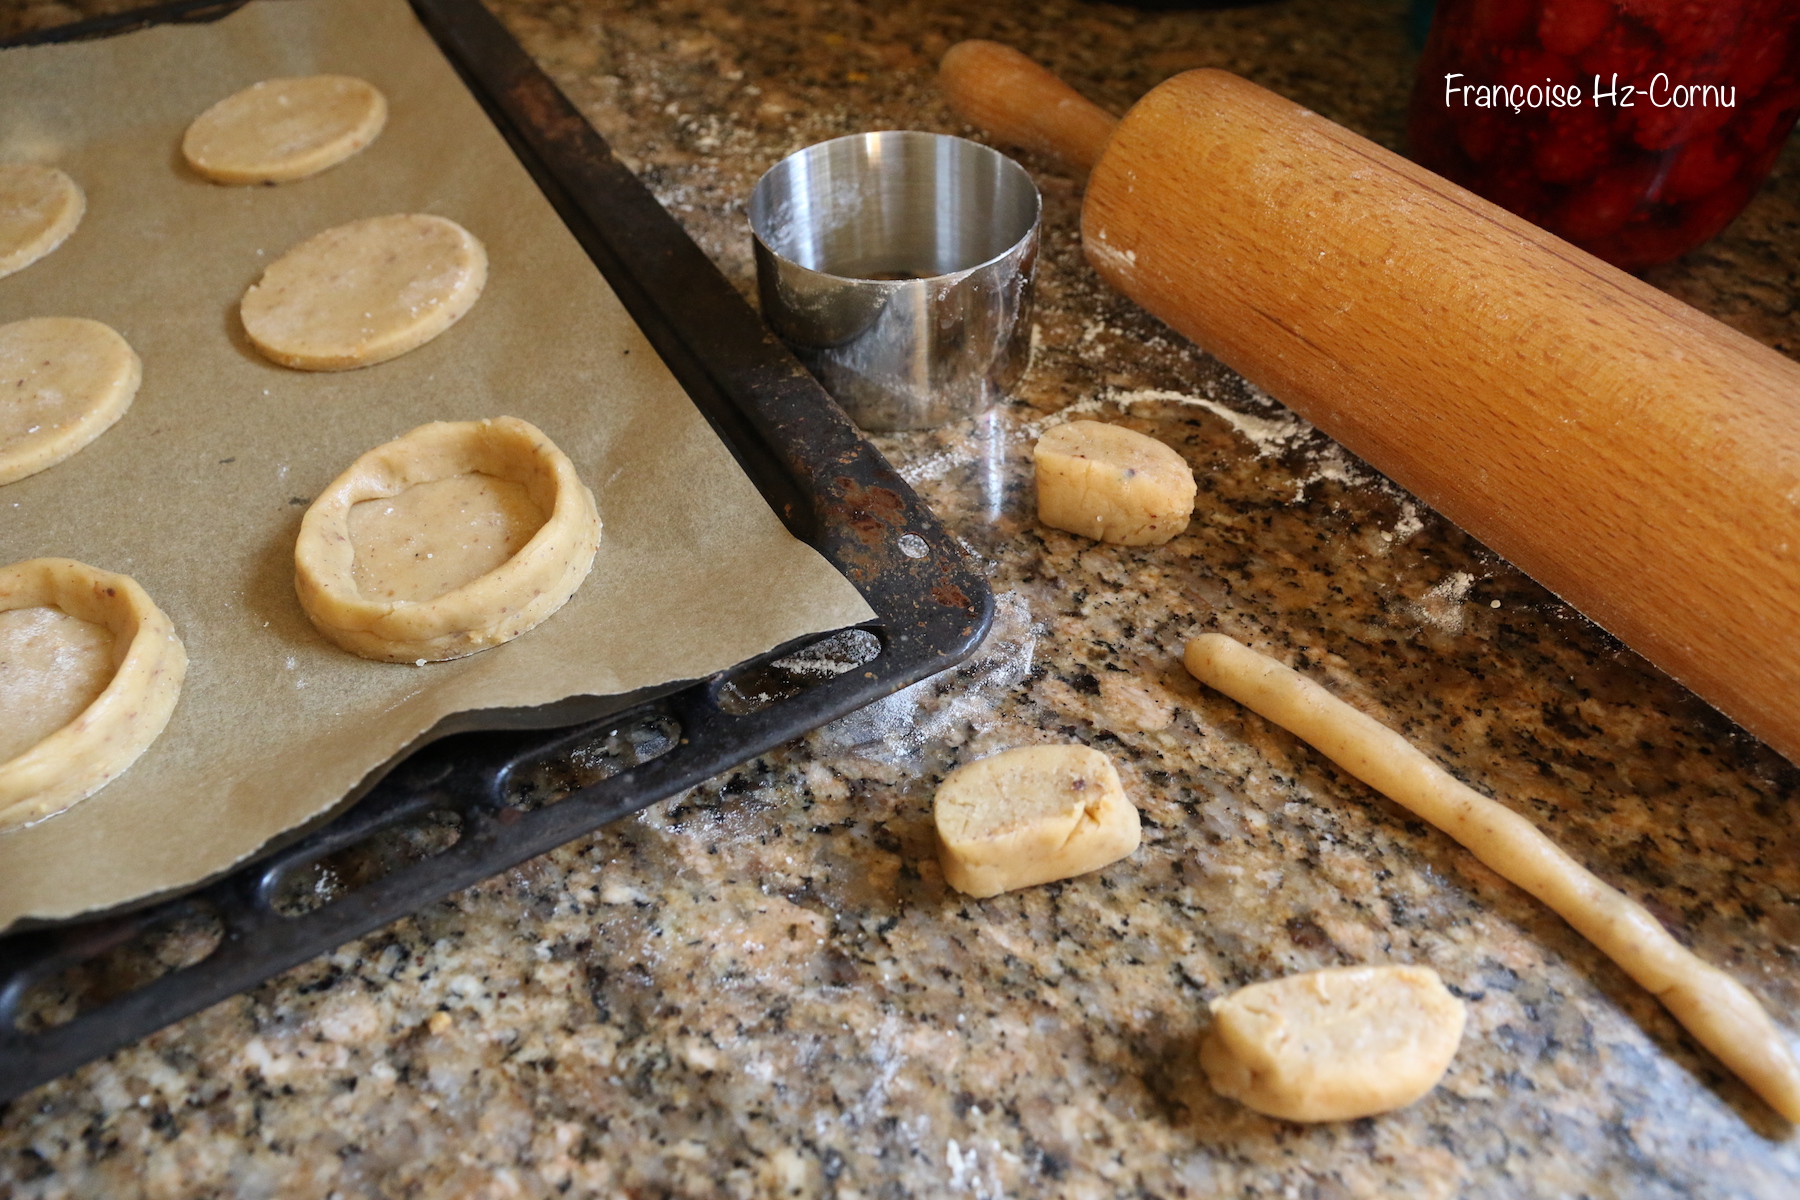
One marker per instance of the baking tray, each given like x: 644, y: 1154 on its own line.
x: 500, y: 786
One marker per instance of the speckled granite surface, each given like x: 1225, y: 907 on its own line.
x: 763, y: 988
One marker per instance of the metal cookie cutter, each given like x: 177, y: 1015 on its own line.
x: 898, y: 266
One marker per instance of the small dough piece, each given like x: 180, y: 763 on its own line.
x: 281, y: 130
x: 90, y: 671
x: 1031, y: 815
x: 1719, y: 1011
x: 39, y: 208
x: 365, y: 292
x: 475, y: 488
x: 1333, y: 1045
x: 1107, y: 482
x: 63, y: 382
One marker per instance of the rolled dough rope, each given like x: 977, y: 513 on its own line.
x: 1718, y: 1010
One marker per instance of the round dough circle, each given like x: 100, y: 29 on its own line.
x: 516, y: 596
x: 39, y: 208
x: 96, y: 747
x: 63, y: 382
x: 365, y: 292
x: 281, y: 130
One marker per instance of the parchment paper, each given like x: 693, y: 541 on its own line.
x: 198, y: 491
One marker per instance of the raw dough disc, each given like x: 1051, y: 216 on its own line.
x: 1112, y: 483
x: 1333, y: 1045
x: 281, y: 130
x: 365, y: 292
x: 90, y: 670
x: 39, y: 207
x: 1031, y: 815
x: 515, y: 526
x: 63, y: 382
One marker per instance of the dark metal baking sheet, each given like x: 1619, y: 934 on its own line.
x: 496, y: 788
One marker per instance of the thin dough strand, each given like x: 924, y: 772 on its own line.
x: 1719, y: 1011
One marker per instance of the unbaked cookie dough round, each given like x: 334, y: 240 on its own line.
x: 1333, y: 1045
x: 458, y: 536
x: 281, y: 130
x: 365, y: 292
x: 39, y: 208
x: 63, y: 382
x: 90, y: 670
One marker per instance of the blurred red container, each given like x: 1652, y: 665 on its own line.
x: 1636, y: 129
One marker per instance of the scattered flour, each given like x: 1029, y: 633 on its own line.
x: 1442, y: 606
x: 895, y: 729
x: 1331, y: 463
x: 1269, y: 435
x: 1410, y: 521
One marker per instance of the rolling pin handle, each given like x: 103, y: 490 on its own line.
x: 1014, y: 100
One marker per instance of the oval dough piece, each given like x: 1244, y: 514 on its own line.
x: 39, y: 208
x: 1333, y: 1045
x: 502, y: 475
x: 365, y: 292
x: 1029, y: 816
x: 63, y: 382
x: 281, y: 130
x: 91, y: 646
x: 1111, y: 483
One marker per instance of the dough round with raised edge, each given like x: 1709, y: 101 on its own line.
x: 281, y: 130
x: 1333, y: 1045
x: 39, y: 208
x: 495, y: 607
x: 63, y: 382
x: 365, y: 292
x: 108, y: 735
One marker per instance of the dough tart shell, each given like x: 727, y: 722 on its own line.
x: 64, y: 381
x: 516, y: 596
x: 120, y: 724
x: 365, y: 292
x: 39, y: 208
x: 281, y: 130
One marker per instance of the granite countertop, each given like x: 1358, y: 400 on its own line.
x: 763, y: 987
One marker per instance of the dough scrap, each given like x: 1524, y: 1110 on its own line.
x: 39, y: 208
x: 494, y: 607
x: 1718, y: 1010
x: 1111, y: 483
x: 365, y: 292
x: 280, y: 130
x: 1031, y: 815
x: 63, y: 382
x: 145, y: 668
x: 1333, y: 1045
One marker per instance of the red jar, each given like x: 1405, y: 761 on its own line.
x: 1636, y: 129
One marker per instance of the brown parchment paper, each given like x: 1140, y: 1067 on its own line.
x: 198, y: 491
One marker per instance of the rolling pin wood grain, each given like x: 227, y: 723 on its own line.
x: 1633, y: 455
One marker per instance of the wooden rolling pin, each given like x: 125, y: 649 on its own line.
x: 1633, y: 455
